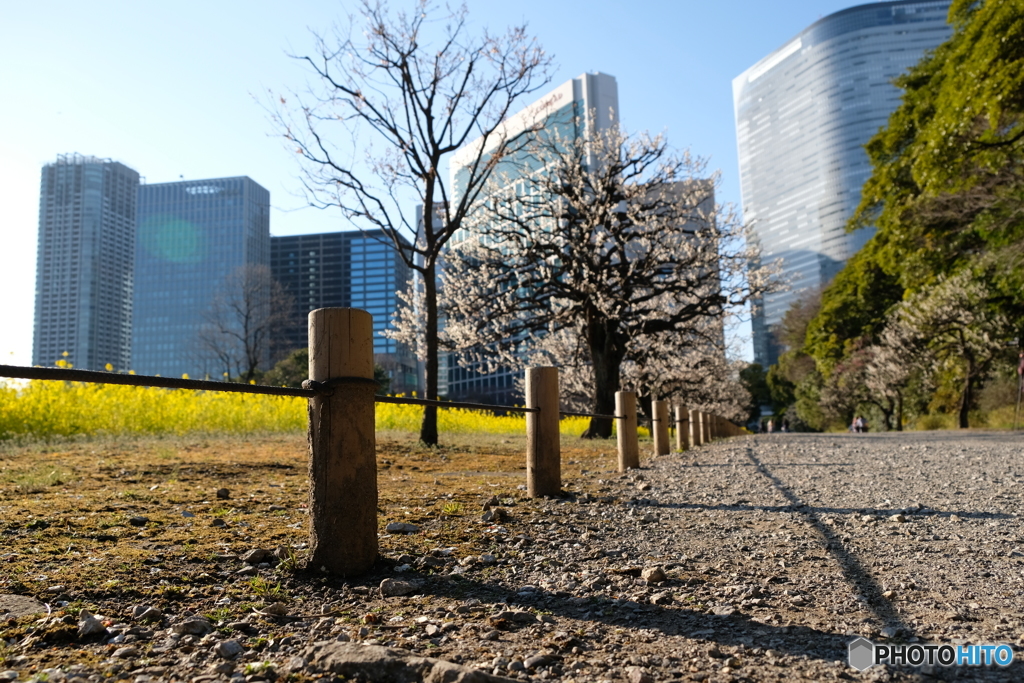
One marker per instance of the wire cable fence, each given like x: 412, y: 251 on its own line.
x: 341, y: 429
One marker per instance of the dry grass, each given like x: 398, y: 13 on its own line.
x: 66, y: 510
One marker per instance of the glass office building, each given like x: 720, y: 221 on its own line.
x: 803, y: 115
x: 192, y: 235
x: 349, y: 270
x: 84, y: 263
x: 589, y: 102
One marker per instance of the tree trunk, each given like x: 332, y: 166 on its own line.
x: 606, y: 357
x: 899, y: 412
x: 428, y: 428
x: 968, y: 395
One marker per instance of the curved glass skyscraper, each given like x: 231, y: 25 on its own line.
x: 803, y: 115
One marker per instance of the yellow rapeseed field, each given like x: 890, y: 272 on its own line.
x: 46, y: 409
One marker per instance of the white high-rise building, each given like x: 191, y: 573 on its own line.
x: 803, y: 115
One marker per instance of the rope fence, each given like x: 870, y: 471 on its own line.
x: 342, y: 440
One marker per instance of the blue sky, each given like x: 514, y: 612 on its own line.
x: 171, y: 90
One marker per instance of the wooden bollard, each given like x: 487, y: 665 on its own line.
x: 342, y: 443
x: 682, y: 428
x: 629, y: 446
x: 705, y: 425
x: 695, y: 428
x: 543, y: 446
x: 660, y: 424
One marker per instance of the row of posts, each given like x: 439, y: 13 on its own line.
x: 342, y: 440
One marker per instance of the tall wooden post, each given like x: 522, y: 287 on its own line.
x: 695, y: 428
x: 682, y: 428
x: 625, y: 425
x: 660, y: 410
x: 342, y: 444
x: 705, y: 427
x: 543, y: 447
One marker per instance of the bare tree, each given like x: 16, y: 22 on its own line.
x: 243, y: 324
x: 612, y: 237
x: 421, y: 87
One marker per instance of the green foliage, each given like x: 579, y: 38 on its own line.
x: 289, y: 372
x: 754, y: 380
x: 945, y: 196
x: 853, y: 306
x: 293, y: 370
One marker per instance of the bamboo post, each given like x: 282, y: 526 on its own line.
x: 682, y: 428
x: 660, y: 420
x: 543, y: 447
x: 695, y: 429
x: 342, y: 444
x: 629, y: 446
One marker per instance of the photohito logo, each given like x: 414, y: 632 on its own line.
x: 865, y: 654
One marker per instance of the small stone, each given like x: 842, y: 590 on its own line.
x: 149, y: 614
x: 186, y: 513
x: 401, y: 528
x: 9, y: 675
x: 898, y: 518
x: 492, y: 502
x: 89, y: 625
x: 492, y: 635
x: 516, y: 665
x: 217, y: 521
x: 487, y: 559
x: 138, y: 520
x: 495, y: 515
x: 229, y: 649
x: 126, y: 652
x: 724, y: 611
x: 535, y: 661
x: 637, y: 675
x: 396, y: 587
x: 432, y: 629
x: 278, y: 609
x: 226, y: 668
x: 661, y: 599
x: 193, y: 627
x: 653, y: 575
x: 223, y: 494
x: 643, y: 486
x: 954, y: 518
x: 256, y: 556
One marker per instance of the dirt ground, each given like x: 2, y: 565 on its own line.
x: 757, y: 558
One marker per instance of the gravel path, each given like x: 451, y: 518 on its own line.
x: 759, y: 558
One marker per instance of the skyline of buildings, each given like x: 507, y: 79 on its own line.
x: 193, y: 235
x: 131, y: 274
x: 803, y: 115
x: 85, y: 263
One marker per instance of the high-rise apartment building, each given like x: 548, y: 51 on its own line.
x: 573, y: 109
x: 194, y: 238
x: 803, y: 115
x: 84, y: 264
x: 352, y: 270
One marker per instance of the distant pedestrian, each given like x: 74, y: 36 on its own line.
x: 771, y: 426
x: 785, y: 426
